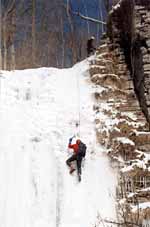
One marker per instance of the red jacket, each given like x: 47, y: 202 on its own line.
x: 75, y: 147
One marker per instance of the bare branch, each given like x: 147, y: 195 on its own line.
x: 88, y: 18
x: 121, y: 223
x: 10, y: 7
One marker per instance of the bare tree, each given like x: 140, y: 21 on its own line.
x: 12, y: 44
x: 8, y: 25
x: 107, y: 5
x: 56, y: 33
x: 33, y: 32
x: 88, y: 26
x: 4, y: 42
x: 72, y: 32
x: 63, y: 42
x: 0, y: 34
x: 88, y: 18
x: 101, y: 15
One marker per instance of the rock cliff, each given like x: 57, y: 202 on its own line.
x: 121, y: 74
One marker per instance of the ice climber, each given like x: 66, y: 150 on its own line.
x: 79, y: 152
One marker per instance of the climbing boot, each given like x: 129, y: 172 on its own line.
x: 79, y: 177
x: 72, y: 170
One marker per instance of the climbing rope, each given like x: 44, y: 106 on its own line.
x: 78, y: 123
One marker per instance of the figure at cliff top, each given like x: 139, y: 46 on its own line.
x: 90, y: 46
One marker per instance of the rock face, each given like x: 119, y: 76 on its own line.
x: 129, y: 27
x: 121, y: 76
x: 142, y: 27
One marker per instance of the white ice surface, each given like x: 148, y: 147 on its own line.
x: 39, y: 109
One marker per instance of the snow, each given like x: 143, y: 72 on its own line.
x: 127, y: 169
x: 139, y: 164
x: 115, y: 7
x: 138, y: 133
x: 145, y: 189
x: 39, y: 111
x: 141, y: 206
x: 97, y: 66
x: 99, y: 89
x: 147, y: 158
x: 130, y: 195
x: 109, y: 122
x: 125, y: 140
x: 122, y: 201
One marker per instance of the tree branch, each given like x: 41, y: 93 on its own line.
x: 119, y: 223
x: 88, y: 18
x: 10, y: 7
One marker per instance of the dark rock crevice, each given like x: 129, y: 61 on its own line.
x: 120, y: 28
x: 137, y: 72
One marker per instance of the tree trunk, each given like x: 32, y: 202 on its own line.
x: 13, y: 63
x: 7, y: 32
x: 88, y: 26
x: 73, y: 42
x: 0, y: 34
x: 107, y: 5
x: 4, y: 44
x: 101, y: 15
x: 33, y: 32
x: 63, y: 43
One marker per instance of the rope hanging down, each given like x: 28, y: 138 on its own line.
x: 78, y: 101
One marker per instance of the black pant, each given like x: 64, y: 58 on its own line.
x: 90, y: 51
x: 76, y: 158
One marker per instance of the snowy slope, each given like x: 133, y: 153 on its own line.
x: 38, y: 113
